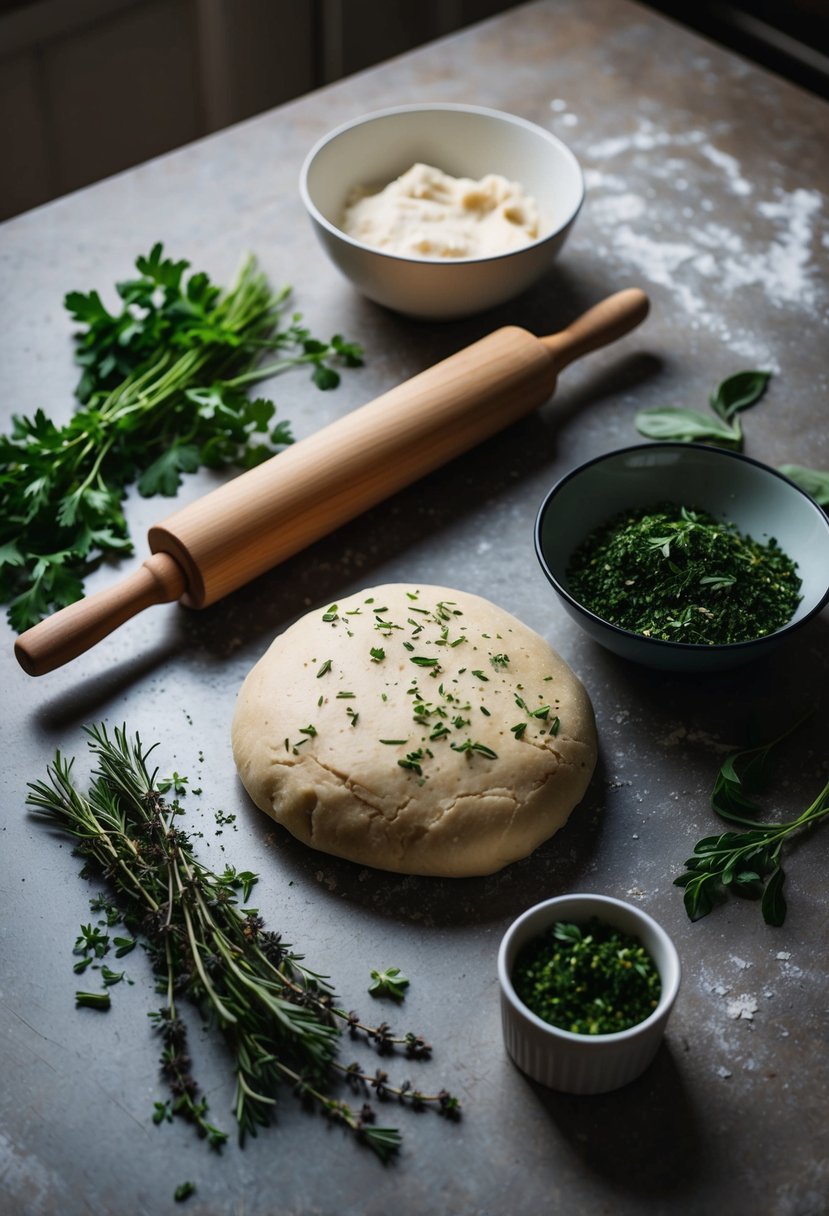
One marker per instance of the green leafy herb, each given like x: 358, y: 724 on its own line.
x: 589, y: 979
x: 176, y: 783
x: 468, y: 746
x: 324, y: 669
x: 280, y: 1020
x: 747, y: 863
x: 670, y: 424
x: 93, y: 1000
x: 183, y: 1191
x: 162, y: 392
x: 736, y: 393
x: 814, y: 481
x: 681, y: 575
x: 390, y: 982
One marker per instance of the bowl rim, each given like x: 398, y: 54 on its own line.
x: 426, y: 107
x: 667, y: 995
x: 713, y: 453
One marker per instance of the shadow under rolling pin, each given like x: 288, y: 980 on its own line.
x: 264, y: 516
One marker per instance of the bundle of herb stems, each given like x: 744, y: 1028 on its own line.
x: 280, y: 1020
x: 162, y: 392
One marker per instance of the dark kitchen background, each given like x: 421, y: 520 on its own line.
x: 90, y: 87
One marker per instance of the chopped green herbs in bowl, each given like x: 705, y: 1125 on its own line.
x: 684, y: 556
x: 587, y: 985
x: 588, y: 979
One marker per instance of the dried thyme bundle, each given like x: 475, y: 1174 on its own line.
x: 279, y: 1019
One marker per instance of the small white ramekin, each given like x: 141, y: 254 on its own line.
x: 578, y: 1063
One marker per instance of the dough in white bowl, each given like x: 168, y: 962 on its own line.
x: 415, y: 729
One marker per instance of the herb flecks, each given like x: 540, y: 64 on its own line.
x: 680, y: 575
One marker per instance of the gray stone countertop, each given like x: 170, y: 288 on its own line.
x: 706, y: 185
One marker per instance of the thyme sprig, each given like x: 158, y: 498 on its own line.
x: 747, y: 863
x: 280, y: 1019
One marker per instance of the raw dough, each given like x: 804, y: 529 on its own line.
x: 426, y: 213
x: 495, y: 733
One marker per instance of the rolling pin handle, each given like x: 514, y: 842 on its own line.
x: 74, y: 629
x: 600, y: 325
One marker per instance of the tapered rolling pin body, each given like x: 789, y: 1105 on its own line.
x: 260, y: 518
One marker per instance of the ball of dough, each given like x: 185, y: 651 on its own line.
x: 416, y: 729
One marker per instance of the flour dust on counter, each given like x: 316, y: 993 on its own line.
x: 701, y: 252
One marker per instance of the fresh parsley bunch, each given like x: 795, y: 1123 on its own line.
x: 162, y: 393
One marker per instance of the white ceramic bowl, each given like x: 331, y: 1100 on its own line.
x: 579, y: 1063
x: 758, y: 500
x: 464, y: 141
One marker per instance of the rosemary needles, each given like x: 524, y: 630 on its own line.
x: 280, y: 1020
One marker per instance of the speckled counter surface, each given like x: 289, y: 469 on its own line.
x: 706, y: 186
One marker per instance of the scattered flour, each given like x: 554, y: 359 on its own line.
x: 744, y: 1006
x: 694, y: 254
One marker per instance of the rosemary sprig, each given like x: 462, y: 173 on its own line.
x: 279, y: 1019
x: 747, y: 863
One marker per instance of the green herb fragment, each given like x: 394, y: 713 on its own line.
x: 163, y: 391
x: 680, y: 575
x: 176, y: 783
x: 468, y: 746
x: 481, y: 675
x: 309, y: 730
x: 589, y: 979
x: 280, y: 1021
x: 421, y: 661
x: 397, y: 742
x: 377, y: 654
x: 721, y: 428
x: 324, y: 669
x: 184, y: 1191
x: 391, y: 982
x: 555, y: 725
x: 747, y: 863
x: 738, y: 392
x: 814, y: 481
x: 93, y: 1000
x: 519, y: 729
x: 500, y: 660
x: 92, y: 942
x: 331, y: 615
x: 346, y: 696
x: 413, y: 760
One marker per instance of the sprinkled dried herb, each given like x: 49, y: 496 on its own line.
x: 680, y: 575
x: 588, y: 979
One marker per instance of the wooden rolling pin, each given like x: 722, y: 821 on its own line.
x: 263, y: 516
